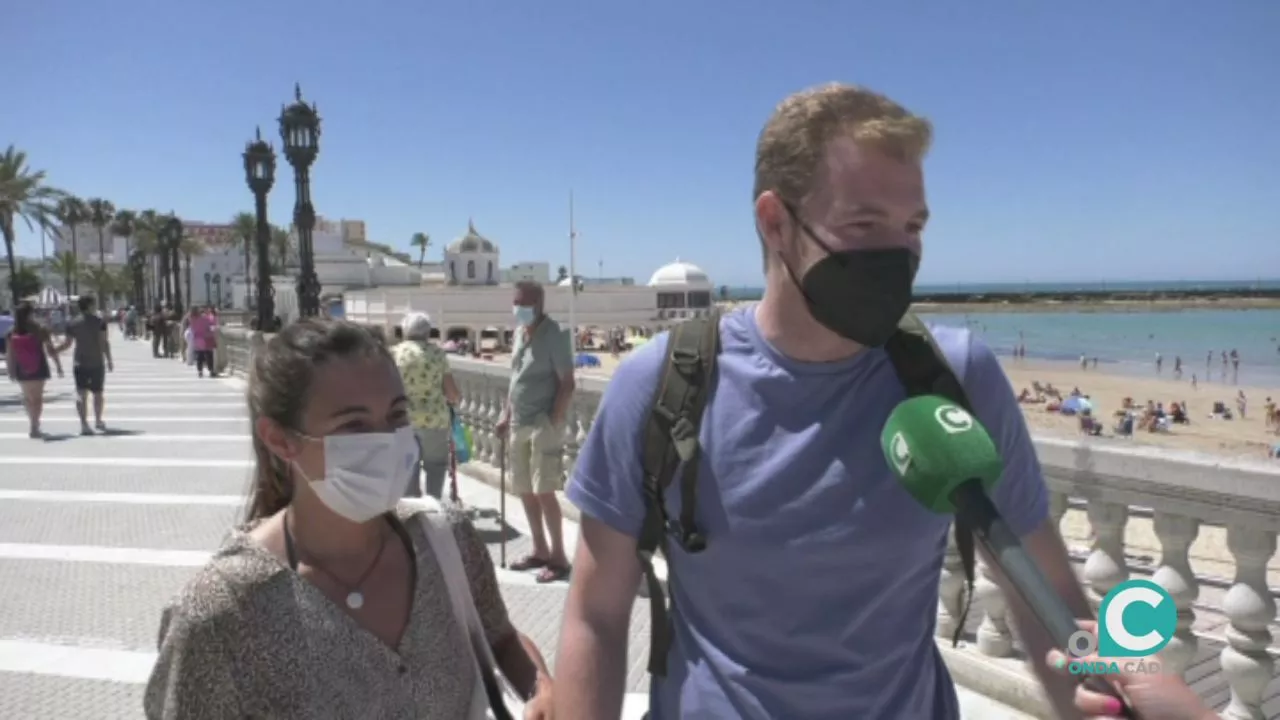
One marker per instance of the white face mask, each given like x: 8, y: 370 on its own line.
x: 366, y: 474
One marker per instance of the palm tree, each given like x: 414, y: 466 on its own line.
x: 123, y: 225
x: 66, y: 266
x: 24, y: 283
x: 281, y: 247
x: 101, y: 214
x: 71, y: 212
x: 188, y: 248
x: 244, y: 226
x: 102, y: 281
x: 422, y: 241
x: 23, y: 194
x: 146, y: 233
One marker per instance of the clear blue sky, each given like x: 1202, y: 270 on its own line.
x: 1075, y: 141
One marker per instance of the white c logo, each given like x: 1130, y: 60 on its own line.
x: 953, y: 419
x: 899, y: 453
x: 1115, y: 619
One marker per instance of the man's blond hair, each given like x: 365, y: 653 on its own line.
x: 794, y: 141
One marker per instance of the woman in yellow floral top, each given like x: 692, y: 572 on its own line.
x: 430, y: 388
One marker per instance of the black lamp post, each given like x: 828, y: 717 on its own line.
x: 300, y: 131
x: 260, y: 174
x: 208, y: 288
x: 173, y: 242
x: 216, y: 300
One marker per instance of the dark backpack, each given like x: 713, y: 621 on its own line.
x: 671, y: 445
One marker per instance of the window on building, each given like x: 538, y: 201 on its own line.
x: 668, y: 300
x: 453, y: 271
x: 471, y: 269
x: 700, y: 299
x: 489, y: 277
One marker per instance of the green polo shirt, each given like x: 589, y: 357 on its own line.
x: 537, y: 364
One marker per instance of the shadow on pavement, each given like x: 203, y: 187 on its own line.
x: 117, y: 432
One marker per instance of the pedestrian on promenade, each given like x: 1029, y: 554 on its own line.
x: 804, y: 577
x: 90, y: 362
x: 203, y: 329
x: 429, y: 385
x: 333, y: 599
x: 534, y: 415
x: 159, y: 327
x: 29, y: 347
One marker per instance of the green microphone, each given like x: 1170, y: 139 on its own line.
x: 946, y: 460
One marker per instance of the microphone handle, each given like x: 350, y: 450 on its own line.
x: 1024, y: 575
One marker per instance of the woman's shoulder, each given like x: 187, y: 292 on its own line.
x: 221, y: 591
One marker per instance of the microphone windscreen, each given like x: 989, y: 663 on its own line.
x: 933, y: 446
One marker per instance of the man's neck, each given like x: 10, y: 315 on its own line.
x: 785, y: 322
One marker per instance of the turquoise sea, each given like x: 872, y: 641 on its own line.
x: 1127, y: 342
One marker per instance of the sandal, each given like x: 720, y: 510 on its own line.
x: 553, y: 573
x: 528, y: 562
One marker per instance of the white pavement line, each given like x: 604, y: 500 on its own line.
x: 134, y: 667
x: 116, y: 394
x: 145, y: 437
x: 191, y: 405
x: 111, y: 418
x: 123, y: 498
x: 81, y: 663
x: 129, y: 462
x: 105, y: 555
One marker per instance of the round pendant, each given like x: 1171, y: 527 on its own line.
x: 355, y: 601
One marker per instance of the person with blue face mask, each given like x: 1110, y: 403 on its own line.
x: 534, y: 416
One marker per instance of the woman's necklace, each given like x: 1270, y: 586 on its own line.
x: 355, y: 598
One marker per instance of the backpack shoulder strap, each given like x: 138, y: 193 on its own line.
x: 923, y: 369
x: 671, y: 446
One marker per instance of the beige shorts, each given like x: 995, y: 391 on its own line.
x: 537, y: 458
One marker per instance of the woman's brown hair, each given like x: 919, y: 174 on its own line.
x: 279, y: 385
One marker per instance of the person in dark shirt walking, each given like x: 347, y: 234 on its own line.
x: 92, y: 347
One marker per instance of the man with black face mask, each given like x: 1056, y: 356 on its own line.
x: 816, y: 594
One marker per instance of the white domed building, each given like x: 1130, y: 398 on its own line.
x: 683, y: 290
x: 472, y: 259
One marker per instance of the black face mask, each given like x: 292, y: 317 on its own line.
x: 860, y: 295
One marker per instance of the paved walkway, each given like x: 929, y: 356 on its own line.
x: 97, y: 533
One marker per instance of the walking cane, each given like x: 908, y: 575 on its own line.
x: 502, y: 497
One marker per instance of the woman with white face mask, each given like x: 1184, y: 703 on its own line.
x: 334, y: 600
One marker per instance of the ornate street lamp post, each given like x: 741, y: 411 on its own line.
x: 260, y: 174
x: 300, y: 131
x: 173, y: 243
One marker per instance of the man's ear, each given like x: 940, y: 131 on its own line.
x: 773, y: 222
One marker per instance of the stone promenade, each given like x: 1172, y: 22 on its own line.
x: 98, y: 533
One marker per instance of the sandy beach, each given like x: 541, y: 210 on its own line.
x: 1238, y: 438
x: 1245, y: 437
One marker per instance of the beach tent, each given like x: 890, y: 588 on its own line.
x: 48, y: 297
x: 1076, y: 404
x: 586, y: 360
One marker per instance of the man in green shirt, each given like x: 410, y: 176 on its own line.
x: 535, y: 413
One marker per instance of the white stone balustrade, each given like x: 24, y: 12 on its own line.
x: 1181, y: 494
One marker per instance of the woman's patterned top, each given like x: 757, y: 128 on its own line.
x: 423, y: 367
x: 250, y: 638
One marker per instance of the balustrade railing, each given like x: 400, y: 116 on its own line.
x: 1125, y: 510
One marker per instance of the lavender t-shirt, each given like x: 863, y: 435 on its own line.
x: 817, y: 593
